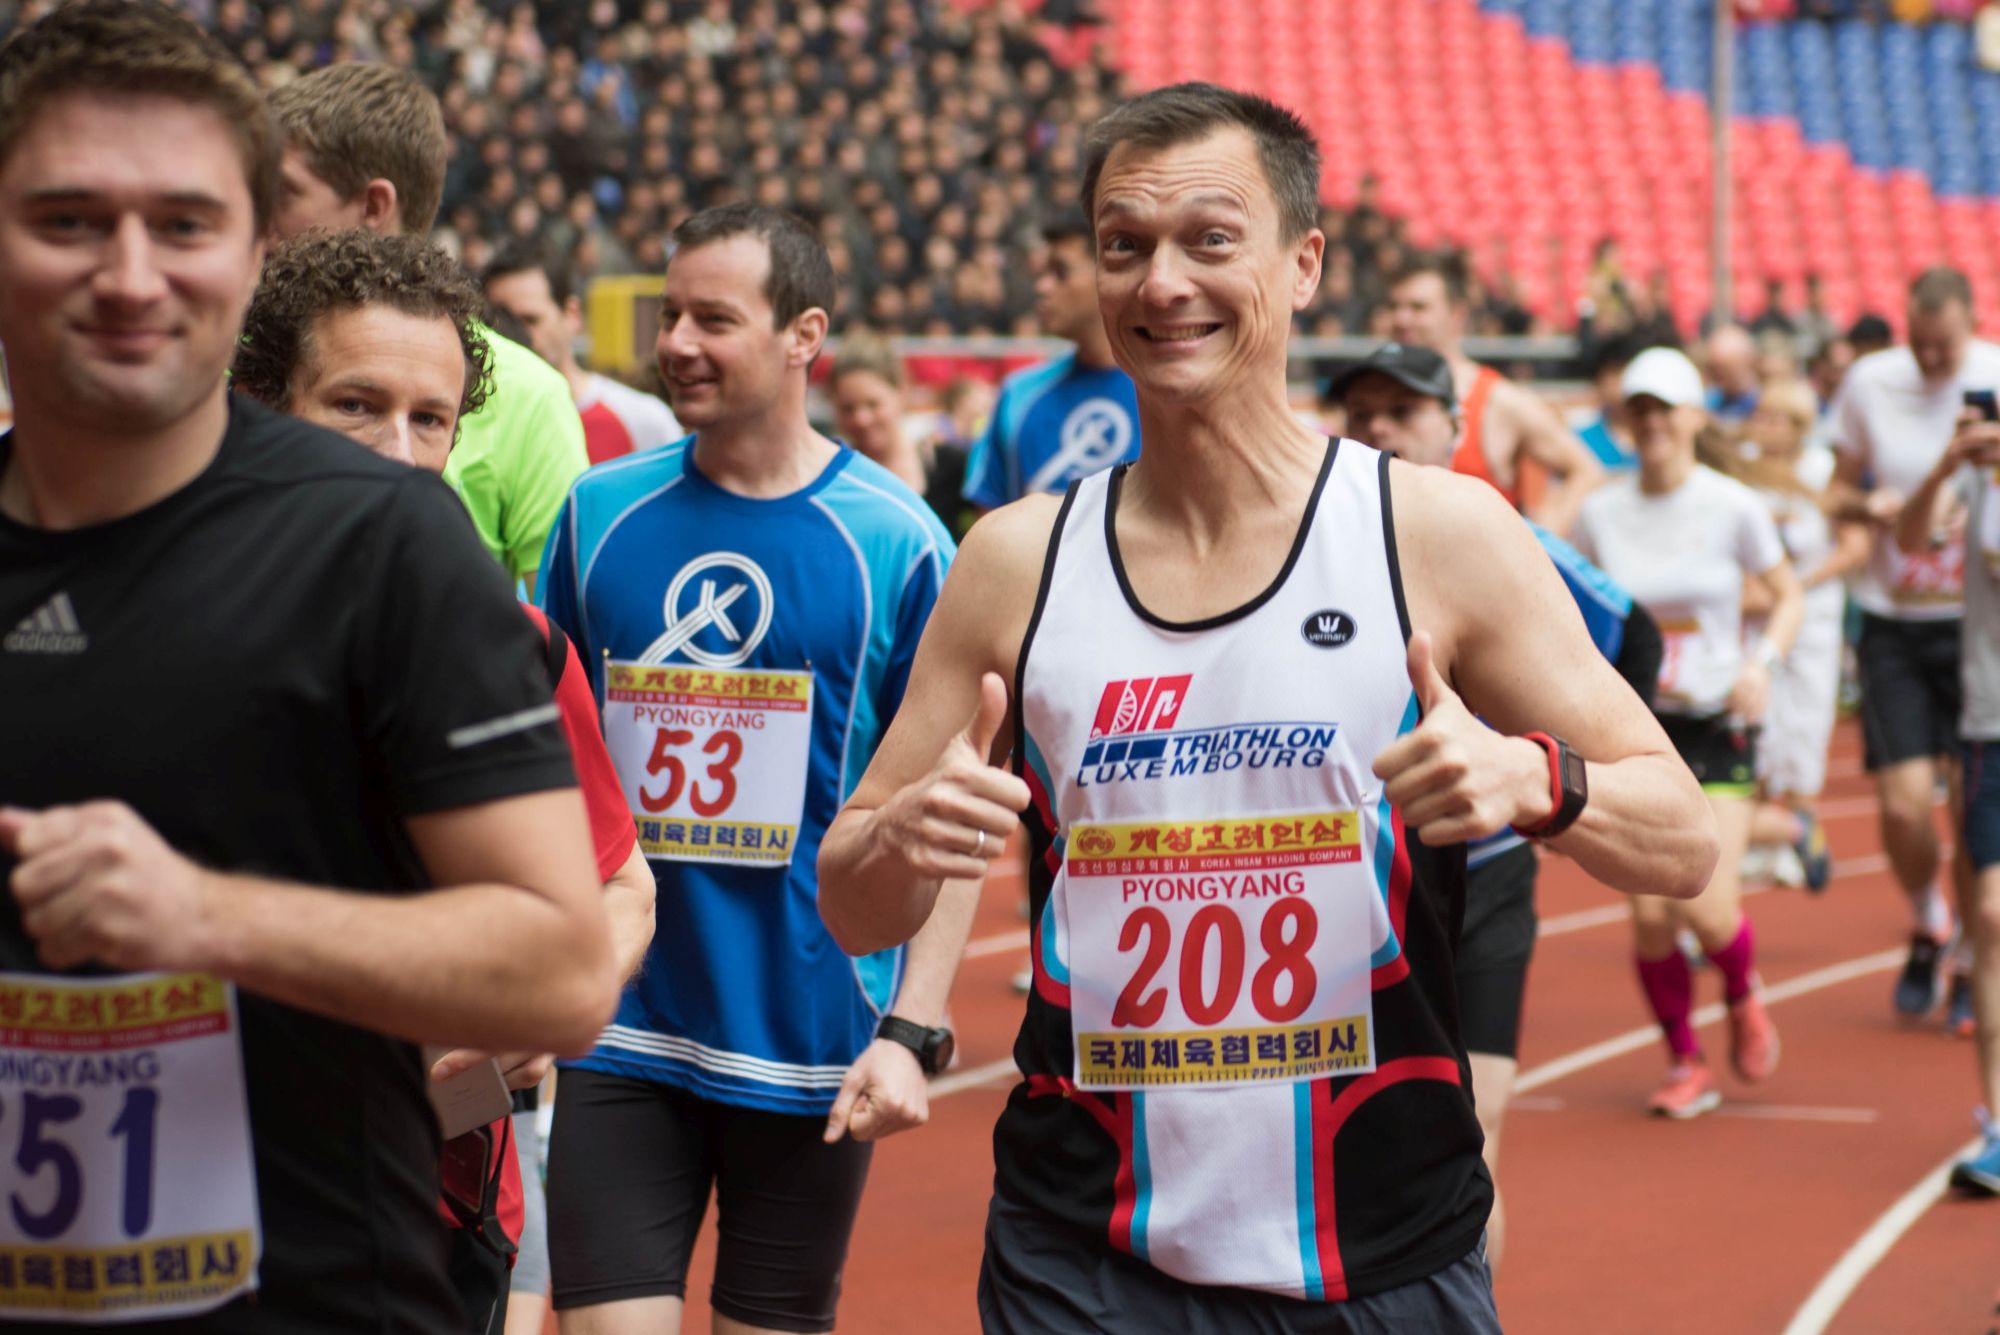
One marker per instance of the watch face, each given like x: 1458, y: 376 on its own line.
x: 940, y: 1049
x: 1575, y: 777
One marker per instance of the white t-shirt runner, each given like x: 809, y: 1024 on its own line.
x: 1683, y: 556
x: 1897, y: 424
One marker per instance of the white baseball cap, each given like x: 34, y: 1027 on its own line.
x: 1664, y: 374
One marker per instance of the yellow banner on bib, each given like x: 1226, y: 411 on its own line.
x: 1213, y: 845
x: 124, y: 1013
x: 160, y: 1273
x: 1204, y: 1056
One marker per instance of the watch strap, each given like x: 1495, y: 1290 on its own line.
x: 917, y: 1038
x: 1566, y: 803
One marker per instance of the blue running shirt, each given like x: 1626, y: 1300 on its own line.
x: 1053, y: 424
x: 1605, y: 606
x: 748, y: 655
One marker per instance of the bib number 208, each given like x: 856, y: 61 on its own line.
x: 725, y: 745
x: 1286, y: 935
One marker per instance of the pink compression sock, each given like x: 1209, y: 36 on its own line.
x: 1670, y: 992
x: 1735, y: 962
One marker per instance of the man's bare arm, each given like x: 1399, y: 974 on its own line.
x: 910, y: 823
x: 1542, y: 436
x: 512, y: 954
x: 628, y: 908
x: 1509, y: 639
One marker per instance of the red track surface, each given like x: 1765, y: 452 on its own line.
x: 1617, y: 1223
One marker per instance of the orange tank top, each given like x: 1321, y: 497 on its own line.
x: 1470, y: 456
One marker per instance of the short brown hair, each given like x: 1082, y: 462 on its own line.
x: 357, y: 122
x: 1448, y: 266
x: 323, y: 272
x: 138, y: 48
x: 1938, y: 287
x: 801, y: 275
x: 1186, y: 112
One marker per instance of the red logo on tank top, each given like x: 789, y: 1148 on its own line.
x: 1143, y: 704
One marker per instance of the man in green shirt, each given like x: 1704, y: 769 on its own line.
x: 366, y: 147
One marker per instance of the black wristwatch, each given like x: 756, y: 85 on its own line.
x: 1569, y: 787
x: 932, y: 1046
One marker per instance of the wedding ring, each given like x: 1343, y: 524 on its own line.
x: 981, y: 845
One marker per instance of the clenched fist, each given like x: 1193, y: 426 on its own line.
x: 97, y: 883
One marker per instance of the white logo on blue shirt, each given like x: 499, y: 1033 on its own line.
x: 714, y: 606
x: 1095, y: 436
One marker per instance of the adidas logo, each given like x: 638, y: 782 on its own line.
x: 52, y: 629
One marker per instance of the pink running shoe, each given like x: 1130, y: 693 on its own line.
x: 1753, y: 1039
x: 1689, y: 1091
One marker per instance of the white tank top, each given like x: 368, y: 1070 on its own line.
x: 1230, y: 885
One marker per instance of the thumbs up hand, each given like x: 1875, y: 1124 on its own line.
x: 1453, y: 778
x: 955, y: 820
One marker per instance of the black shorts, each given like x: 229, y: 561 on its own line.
x: 631, y: 1164
x: 1909, y: 689
x: 1036, y: 1280
x: 1494, y: 947
x: 1722, y: 753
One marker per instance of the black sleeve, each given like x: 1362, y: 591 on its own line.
x: 451, y: 679
x: 1638, y: 660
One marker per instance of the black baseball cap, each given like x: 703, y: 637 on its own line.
x: 1413, y: 367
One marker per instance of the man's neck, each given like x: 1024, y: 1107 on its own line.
x: 1205, y: 468
x: 764, y: 457
x: 579, y: 381
x: 1093, y: 351
x: 60, y: 474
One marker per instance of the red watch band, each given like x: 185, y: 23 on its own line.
x: 1554, y: 749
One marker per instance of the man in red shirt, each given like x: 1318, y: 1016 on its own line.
x: 539, y: 292
x: 373, y: 335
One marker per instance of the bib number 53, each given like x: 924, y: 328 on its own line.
x: 725, y: 745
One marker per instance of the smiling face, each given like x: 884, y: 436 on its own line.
x: 1421, y: 312
x: 127, y: 257
x: 722, y: 356
x: 385, y: 379
x: 867, y: 411
x: 1195, y: 281
x: 1066, y: 288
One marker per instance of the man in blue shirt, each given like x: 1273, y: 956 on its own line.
x: 749, y: 601
x: 1066, y: 418
x: 1401, y: 400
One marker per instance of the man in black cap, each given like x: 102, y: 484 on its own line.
x: 1400, y: 400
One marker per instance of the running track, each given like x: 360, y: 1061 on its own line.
x: 1809, y: 1204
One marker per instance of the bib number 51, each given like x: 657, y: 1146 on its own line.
x: 39, y: 1116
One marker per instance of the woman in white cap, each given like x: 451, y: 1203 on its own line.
x: 1685, y: 541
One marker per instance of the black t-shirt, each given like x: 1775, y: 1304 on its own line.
x: 269, y: 666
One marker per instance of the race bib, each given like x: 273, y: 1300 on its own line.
x: 713, y: 762
x: 1678, y: 637
x: 125, y: 1154
x: 1936, y: 576
x: 1225, y: 952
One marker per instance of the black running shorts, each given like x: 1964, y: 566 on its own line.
x: 1909, y: 689
x: 1722, y: 754
x: 1039, y: 1278
x: 631, y: 1165
x: 1494, y: 947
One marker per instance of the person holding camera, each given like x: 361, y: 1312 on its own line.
x: 1961, y: 487
x: 1890, y: 422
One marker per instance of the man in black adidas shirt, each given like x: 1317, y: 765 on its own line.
x: 282, y: 791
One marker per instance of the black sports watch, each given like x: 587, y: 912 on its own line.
x: 1569, y: 787
x: 932, y: 1046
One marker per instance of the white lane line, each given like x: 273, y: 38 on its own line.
x: 1833, y: 1291
x: 973, y: 1077
x: 996, y: 945
x: 1599, y: 1053
x: 1782, y: 1112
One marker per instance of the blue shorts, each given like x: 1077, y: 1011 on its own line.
x: 1981, y: 762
